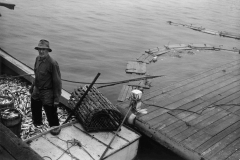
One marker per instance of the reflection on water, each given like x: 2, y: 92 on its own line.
x: 94, y: 36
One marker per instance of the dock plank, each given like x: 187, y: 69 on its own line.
x: 226, y: 152
x: 122, y: 94
x: 216, y: 138
x: 193, y: 129
x: 196, y: 87
x: 142, y: 68
x: 131, y: 67
x: 210, y: 98
x: 149, y: 58
x: 234, y: 109
x: 234, y: 156
x: 185, y: 90
x: 213, y: 94
x: 217, y: 101
x: 221, y: 124
x: 186, y: 97
x: 210, y: 152
x: 128, y: 94
x: 143, y: 57
x: 174, y: 129
x: 145, y: 84
x: 195, y: 140
x: 200, y: 104
x: 136, y: 67
x: 238, y: 111
x: 180, y: 127
x: 171, y: 119
x: 199, y: 76
x: 157, y: 121
x: 177, y: 128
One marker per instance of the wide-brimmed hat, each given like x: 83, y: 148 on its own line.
x: 43, y: 44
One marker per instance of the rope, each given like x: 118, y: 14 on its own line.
x: 219, y: 105
x: 168, y: 108
x: 105, y: 84
x: 129, y: 80
x: 115, y: 82
x: 201, y: 111
x: 73, y: 142
x: 187, y: 124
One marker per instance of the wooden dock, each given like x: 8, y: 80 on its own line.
x: 197, y: 118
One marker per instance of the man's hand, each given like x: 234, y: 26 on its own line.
x: 31, y: 89
x: 56, y: 104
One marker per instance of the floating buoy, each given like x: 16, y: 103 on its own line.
x: 154, y: 59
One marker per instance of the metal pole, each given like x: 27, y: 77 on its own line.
x: 130, y: 107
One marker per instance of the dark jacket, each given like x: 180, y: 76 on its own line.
x: 48, y: 76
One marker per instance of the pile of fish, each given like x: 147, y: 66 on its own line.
x: 4, y: 101
x: 9, y: 114
x: 19, y: 91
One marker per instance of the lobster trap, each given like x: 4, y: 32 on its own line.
x: 96, y: 112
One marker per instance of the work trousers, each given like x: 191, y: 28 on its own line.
x: 50, y: 110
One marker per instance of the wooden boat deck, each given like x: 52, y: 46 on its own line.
x: 75, y: 143
x: 198, y: 118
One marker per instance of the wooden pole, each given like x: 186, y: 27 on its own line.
x: 80, y: 101
x: 109, y: 145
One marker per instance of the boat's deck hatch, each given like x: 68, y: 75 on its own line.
x: 96, y: 113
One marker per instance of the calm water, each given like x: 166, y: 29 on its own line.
x: 94, y: 36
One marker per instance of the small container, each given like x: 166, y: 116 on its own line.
x: 12, y: 119
x: 136, y: 94
x: 155, y: 59
x: 8, y: 104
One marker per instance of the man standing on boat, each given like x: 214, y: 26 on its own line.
x: 46, y: 88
